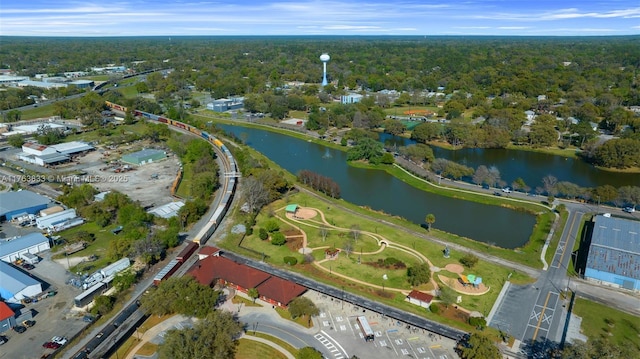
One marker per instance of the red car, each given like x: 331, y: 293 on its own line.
x: 51, y: 345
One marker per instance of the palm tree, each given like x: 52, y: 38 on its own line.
x: 430, y: 219
x: 253, y: 293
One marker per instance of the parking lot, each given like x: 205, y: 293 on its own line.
x: 53, y: 316
x: 342, y: 336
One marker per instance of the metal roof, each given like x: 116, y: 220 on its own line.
x: 167, y: 210
x: 15, y: 201
x: 615, y: 246
x: 13, y: 280
x: 147, y: 152
x: 72, y: 147
x: 20, y: 243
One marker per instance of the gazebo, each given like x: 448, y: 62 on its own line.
x: 292, y: 208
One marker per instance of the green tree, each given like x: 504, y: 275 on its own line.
x: 182, y: 295
x: 278, y: 239
x: 447, y: 295
x: 419, y: 274
x: 309, y: 353
x: 430, y: 219
x: 16, y: 140
x: 253, y: 294
x: 124, y: 280
x: 394, y: 127
x: 214, y: 337
x: 480, y: 346
x: 302, y: 306
x: 102, y: 304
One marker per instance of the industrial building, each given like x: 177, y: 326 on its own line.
x: 83, y: 84
x: 20, y: 203
x: 167, y: 210
x: 614, y: 253
x: 16, y: 285
x: 33, y: 243
x: 59, y: 221
x: 144, y: 156
x: 49, y: 155
x: 7, y: 317
x: 226, y: 104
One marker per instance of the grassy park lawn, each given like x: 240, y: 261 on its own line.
x: 600, y: 321
x: 147, y: 349
x: 250, y: 349
x: 493, y: 276
x: 302, y: 320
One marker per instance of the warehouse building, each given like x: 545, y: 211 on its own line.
x: 83, y: 84
x: 144, y: 156
x: 59, y: 221
x: 614, y: 253
x: 33, y: 243
x: 16, y: 285
x: 50, y: 155
x: 226, y: 104
x: 20, y: 203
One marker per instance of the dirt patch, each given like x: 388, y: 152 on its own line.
x: 305, y: 213
x: 294, y: 243
x: 150, y: 183
x: 452, y: 312
x: 455, y: 284
x: 454, y: 268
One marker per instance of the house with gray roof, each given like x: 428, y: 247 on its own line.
x: 614, y: 253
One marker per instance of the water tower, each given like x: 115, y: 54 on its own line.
x: 324, y: 58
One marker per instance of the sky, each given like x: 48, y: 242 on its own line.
x: 319, y: 17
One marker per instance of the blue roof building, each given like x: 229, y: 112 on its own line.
x: 16, y: 204
x: 16, y: 285
x: 614, y: 253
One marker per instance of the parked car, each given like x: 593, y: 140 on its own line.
x: 485, y: 186
x: 59, y: 340
x: 3, y: 339
x: 496, y: 193
x: 28, y: 266
x: 29, y: 323
x: 506, y: 190
x: 629, y: 209
x: 88, y: 318
x: 51, y: 345
x: 19, y: 329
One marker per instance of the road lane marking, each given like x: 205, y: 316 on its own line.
x: 535, y: 333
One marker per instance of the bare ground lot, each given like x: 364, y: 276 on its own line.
x: 150, y: 184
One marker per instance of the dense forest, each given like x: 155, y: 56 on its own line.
x: 576, y: 87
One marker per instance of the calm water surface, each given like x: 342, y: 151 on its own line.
x: 381, y: 191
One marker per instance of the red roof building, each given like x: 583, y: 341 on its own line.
x: 420, y: 298
x: 278, y: 291
x: 207, y: 251
x: 226, y: 271
x: 7, y: 317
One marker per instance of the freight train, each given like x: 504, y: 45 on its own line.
x: 176, y: 263
x: 230, y: 186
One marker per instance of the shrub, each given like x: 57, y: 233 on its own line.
x: 469, y: 260
x: 394, y: 262
x: 478, y: 322
x: 433, y: 308
x: 263, y: 234
x: 272, y: 225
x: 278, y: 239
x: 290, y: 260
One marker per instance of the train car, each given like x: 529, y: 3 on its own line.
x: 218, y: 143
x: 163, y: 119
x: 126, y: 313
x: 205, y: 135
x: 195, y: 130
x: 187, y: 252
x: 115, y: 106
x: 219, y: 213
x: 205, y: 233
x: 178, y: 124
x: 167, y: 271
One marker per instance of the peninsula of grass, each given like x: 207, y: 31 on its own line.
x: 288, y: 347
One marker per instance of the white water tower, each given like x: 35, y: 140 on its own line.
x: 324, y: 58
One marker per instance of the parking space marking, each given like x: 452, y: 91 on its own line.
x: 343, y: 327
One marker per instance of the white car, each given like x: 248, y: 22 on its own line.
x: 59, y: 340
x: 506, y: 190
x: 629, y: 209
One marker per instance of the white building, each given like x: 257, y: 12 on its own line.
x: 54, y: 219
x: 33, y: 243
x: 351, y: 98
